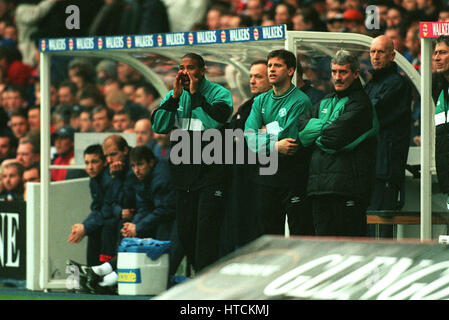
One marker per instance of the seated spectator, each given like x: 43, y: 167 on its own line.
x: 410, y: 6
x: 397, y: 34
x: 17, y: 72
x: 81, y: 72
x: 213, y: 17
x: 315, y: 95
x: 239, y: 21
x: 353, y: 4
x: 102, y: 119
x: 145, y: 95
x: 10, y: 33
x: 85, y: 120
x: 19, y: 123
x: 121, y: 121
x: 90, y: 97
x: 162, y: 147
x: 130, y: 90
x: 428, y: 9
x: 13, y: 99
x: 144, y: 133
x: 106, y: 69
x: 31, y: 174
x: 60, y: 117
x: 67, y: 93
x: 109, y: 86
x: 413, y: 45
x: 34, y: 117
x: 65, y: 153
x: 396, y: 16
x: 118, y: 100
x: 307, y: 19
x: 53, y: 95
x: 443, y: 16
x: 12, y: 182
x: 334, y: 21
x: 283, y: 14
x: 255, y: 10
x: 126, y: 74
x: 75, y: 113
x: 8, y: 145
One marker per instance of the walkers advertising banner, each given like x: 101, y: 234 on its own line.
x: 433, y: 29
x: 173, y: 39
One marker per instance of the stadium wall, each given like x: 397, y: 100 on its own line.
x: 69, y: 204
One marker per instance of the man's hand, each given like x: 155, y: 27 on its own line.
x: 287, y: 146
x: 127, y: 213
x: 417, y: 140
x: 177, y: 86
x: 193, y: 83
x: 115, y: 167
x: 77, y: 233
x: 129, y: 230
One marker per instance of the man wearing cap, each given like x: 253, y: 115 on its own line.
x: 354, y: 21
x: 334, y: 21
x: 390, y: 94
x: 65, y: 152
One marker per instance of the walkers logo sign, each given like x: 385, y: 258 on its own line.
x: 13, y: 240
x: 433, y: 29
x: 280, y: 268
x: 277, y: 32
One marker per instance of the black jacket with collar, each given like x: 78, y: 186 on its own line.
x: 391, y: 95
x: 347, y: 173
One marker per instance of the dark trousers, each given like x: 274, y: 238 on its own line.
x: 385, y: 196
x: 102, y: 243
x: 199, y: 215
x: 339, y: 216
x: 273, y: 204
x: 239, y: 215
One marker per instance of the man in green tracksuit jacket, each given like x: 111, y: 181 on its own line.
x: 194, y: 106
x: 276, y: 112
x: 440, y: 86
x: 343, y: 130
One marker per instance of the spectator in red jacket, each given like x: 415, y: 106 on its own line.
x: 18, y: 73
x: 65, y: 152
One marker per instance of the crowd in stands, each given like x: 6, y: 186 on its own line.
x: 89, y: 95
x: 101, y: 95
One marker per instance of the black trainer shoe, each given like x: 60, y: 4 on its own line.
x: 92, y: 279
x: 97, y: 289
x: 81, y: 267
x: 82, y: 285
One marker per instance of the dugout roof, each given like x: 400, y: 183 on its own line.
x: 228, y: 55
